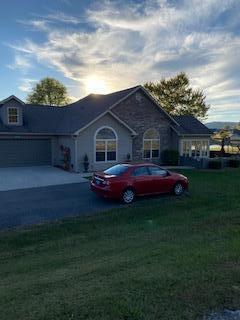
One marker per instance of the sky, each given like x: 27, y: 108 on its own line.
x: 105, y: 46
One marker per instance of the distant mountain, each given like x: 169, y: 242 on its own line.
x: 220, y: 124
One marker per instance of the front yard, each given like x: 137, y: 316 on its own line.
x: 164, y: 258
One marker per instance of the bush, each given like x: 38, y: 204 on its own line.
x: 215, y: 164
x: 170, y: 157
x: 234, y: 163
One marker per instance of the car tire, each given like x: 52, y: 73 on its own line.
x: 128, y: 196
x: 178, y: 189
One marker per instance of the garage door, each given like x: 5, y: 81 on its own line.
x: 25, y: 152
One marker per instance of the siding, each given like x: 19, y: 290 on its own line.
x: 85, y: 143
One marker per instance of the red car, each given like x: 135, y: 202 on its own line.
x: 126, y: 181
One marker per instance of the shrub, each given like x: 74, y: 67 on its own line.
x: 215, y: 164
x: 170, y: 157
x: 234, y: 163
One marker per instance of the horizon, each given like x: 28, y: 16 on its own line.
x: 112, y: 45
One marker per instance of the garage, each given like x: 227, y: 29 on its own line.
x: 25, y: 152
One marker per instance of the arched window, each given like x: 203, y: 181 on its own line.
x: 151, y: 144
x: 105, y: 145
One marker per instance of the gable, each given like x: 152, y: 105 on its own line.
x: 139, y: 111
x: 9, y: 103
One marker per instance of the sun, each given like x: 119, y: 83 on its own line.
x: 94, y: 84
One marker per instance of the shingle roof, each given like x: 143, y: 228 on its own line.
x: 190, y: 125
x: 67, y: 119
x: 71, y: 118
x: 79, y: 114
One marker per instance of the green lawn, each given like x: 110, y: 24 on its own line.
x: 165, y: 258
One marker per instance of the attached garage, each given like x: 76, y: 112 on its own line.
x: 25, y: 152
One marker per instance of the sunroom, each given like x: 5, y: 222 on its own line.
x: 194, y: 148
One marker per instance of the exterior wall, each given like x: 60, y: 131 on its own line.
x: 86, y: 145
x: 175, y: 141
x: 4, y: 112
x: 140, y: 113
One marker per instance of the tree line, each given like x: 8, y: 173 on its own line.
x: 175, y: 95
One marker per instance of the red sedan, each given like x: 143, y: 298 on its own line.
x: 126, y: 181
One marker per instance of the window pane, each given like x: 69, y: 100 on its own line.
x: 141, y: 171
x: 151, y: 134
x: 147, y: 149
x: 111, y: 156
x: 111, y: 146
x: 193, y: 149
x: 12, y: 111
x: 155, y: 153
x: 106, y: 133
x: 198, y: 148
x: 100, y: 156
x: 155, y: 148
x: 111, y: 150
x: 100, y: 145
x: 156, y: 171
x: 12, y: 115
x: 117, y: 170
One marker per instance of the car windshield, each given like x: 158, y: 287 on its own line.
x: 117, y: 170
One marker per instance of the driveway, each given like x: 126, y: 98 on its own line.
x: 33, y: 177
x: 38, y: 205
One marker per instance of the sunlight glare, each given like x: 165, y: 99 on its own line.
x: 95, y: 84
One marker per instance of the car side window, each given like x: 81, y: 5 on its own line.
x: 156, y: 171
x: 140, y: 171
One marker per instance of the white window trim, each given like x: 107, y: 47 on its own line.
x: 105, y: 140
x: 151, y: 140
x: 190, y: 149
x: 18, y: 120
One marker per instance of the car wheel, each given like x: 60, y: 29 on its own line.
x: 128, y: 196
x: 178, y: 189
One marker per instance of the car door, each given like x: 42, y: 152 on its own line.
x: 142, y: 180
x: 161, y: 180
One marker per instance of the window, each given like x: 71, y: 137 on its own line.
x: 106, y: 145
x: 156, y: 171
x: 140, y: 171
x: 12, y: 115
x: 117, y: 170
x: 151, y: 144
x: 195, y: 148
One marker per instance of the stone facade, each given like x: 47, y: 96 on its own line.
x: 141, y: 114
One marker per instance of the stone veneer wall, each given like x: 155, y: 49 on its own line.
x: 140, y: 113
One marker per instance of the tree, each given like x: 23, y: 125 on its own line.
x: 177, y: 97
x: 223, y: 135
x: 49, y: 91
x: 237, y: 126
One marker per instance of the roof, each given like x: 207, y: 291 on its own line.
x: 72, y: 118
x: 10, y: 98
x: 189, y: 125
x: 67, y: 119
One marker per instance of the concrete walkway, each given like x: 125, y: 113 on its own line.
x: 33, y: 177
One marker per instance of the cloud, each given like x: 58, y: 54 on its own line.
x: 26, y: 84
x: 128, y: 44
x: 20, y: 62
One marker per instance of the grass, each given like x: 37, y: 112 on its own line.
x: 165, y: 258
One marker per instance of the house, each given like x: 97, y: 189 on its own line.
x: 108, y: 128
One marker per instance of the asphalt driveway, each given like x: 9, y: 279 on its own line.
x: 34, y: 177
x: 38, y: 205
